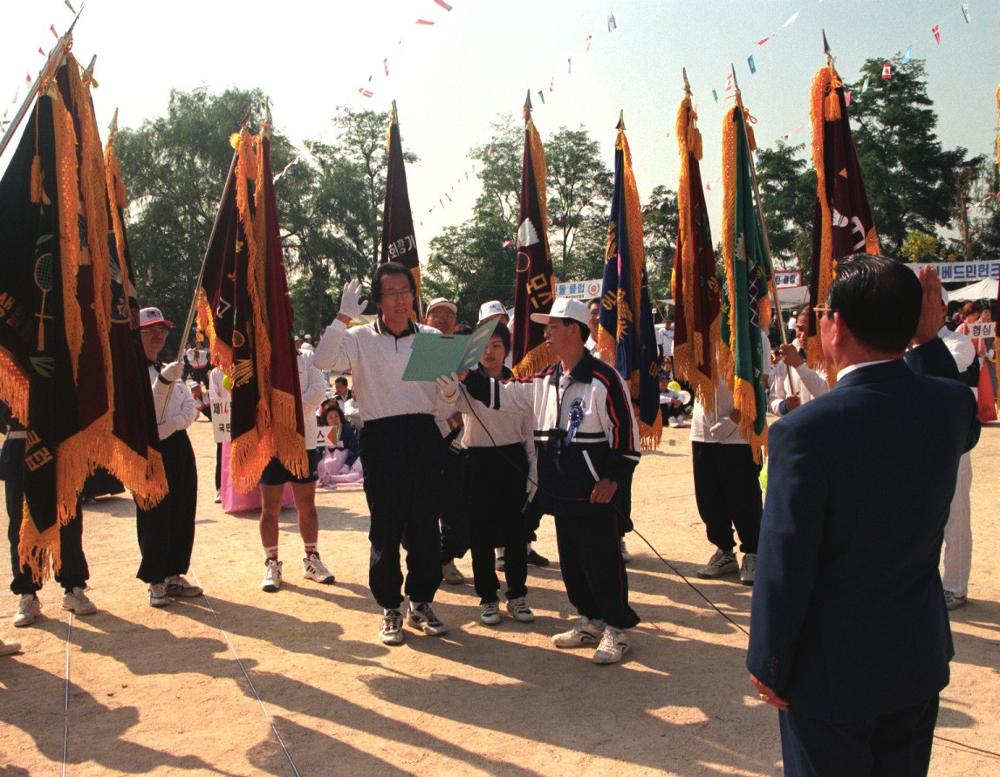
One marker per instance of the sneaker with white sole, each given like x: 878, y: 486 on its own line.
x: 177, y: 585
x: 391, y: 631
x: 748, y: 568
x: 451, y: 574
x: 9, y: 648
x: 626, y: 556
x: 614, y: 645
x: 272, y: 575
x: 723, y: 562
x: 158, y: 595
x: 421, y: 616
x: 520, y: 611
x: 28, y: 609
x: 489, y: 613
x: 77, y: 601
x: 672, y: 421
x: 313, y: 568
x: 585, y: 632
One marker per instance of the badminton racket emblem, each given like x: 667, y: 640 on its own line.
x: 43, y: 280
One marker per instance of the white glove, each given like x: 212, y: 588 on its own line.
x: 172, y: 371
x: 448, y: 385
x: 350, y: 300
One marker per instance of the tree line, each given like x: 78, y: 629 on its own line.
x: 930, y: 203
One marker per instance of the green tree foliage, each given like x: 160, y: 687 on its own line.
x: 911, y: 180
x: 659, y: 237
x: 920, y: 247
x: 788, y: 198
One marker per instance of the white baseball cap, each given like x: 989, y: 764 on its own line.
x: 492, y: 308
x: 564, y: 307
x: 438, y: 302
x: 151, y: 317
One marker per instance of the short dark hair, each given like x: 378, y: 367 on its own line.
x: 583, y: 328
x: 879, y: 300
x: 340, y: 381
x: 503, y: 333
x: 390, y: 268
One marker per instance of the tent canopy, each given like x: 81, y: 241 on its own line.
x: 984, y: 289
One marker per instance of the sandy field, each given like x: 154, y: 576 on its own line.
x: 242, y: 682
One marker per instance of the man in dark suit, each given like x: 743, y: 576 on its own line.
x: 849, y: 632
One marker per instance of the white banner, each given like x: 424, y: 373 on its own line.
x: 961, y: 272
x: 984, y: 329
x: 325, y: 437
x: 221, y: 410
x: 579, y: 289
x: 787, y: 279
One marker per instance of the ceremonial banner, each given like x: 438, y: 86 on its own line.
x: 746, y: 307
x: 398, y: 241
x: 843, y: 222
x: 626, y: 337
x: 55, y: 293
x: 534, y: 284
x: 243, y: 305
x: 693, y: 283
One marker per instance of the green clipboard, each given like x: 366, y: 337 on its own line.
x: 435, y: 355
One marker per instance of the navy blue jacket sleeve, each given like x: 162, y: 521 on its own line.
x: 932, y: 358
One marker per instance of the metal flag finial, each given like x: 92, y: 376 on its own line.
x: 687, y: 84
x: 621, y: 120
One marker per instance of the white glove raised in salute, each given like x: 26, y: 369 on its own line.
x: 350, y: 301
x: 448, y: 385
x: 171, y: 372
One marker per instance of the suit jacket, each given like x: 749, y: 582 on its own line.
x: 848, y: 617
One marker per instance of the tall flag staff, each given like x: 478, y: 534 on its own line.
x: 399, y: 243
x: 694, y: 286
x: 625, y: 336
x: 534, y: 284
x: 746, y: 305
x: 843, y: 223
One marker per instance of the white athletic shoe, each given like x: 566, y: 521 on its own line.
x: 421, y: 616
x: 158, y: 595
x: 519, y: 610
x: 28, y: 609
x: 9, y: 648
x: 313, y: 568
x: 177, y: 585
x: 585, y: 632
x: 614, y: 645
x: 272, y: 575
x: 391, y: 631
x: 77, y: 601
x: 489, y: 613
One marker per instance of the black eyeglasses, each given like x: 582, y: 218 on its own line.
x: 821, y: 310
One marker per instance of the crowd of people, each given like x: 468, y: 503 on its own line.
x: 471, y: 462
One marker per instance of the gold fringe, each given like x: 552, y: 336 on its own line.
x: 605, y: 350
x: 824, y: 268
x: 650, y: 434
x: 729, y: 230
x: 118, y: 201
x: 538, y: 165
x: 745, y: 400
x: 36, y: 180
x: 144, y: 476
x: 220, y: 352
x: 289, y: 445
x: 38, y: 551
x: 248, y: 457
x: 535, y: 360
x: 14, y: 386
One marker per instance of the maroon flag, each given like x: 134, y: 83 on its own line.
x: 534, y: 285
x: 694, y: 285
x: 398, y: 241
x: 843, y: 224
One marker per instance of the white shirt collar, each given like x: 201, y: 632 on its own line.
x: 852, y: 367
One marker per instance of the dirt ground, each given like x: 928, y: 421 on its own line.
x: 242, y: 682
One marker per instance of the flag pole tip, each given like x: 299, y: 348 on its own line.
x: 621, y: 120
x: 113, y: 126
x: 687, y: 84
x: 527, y: 101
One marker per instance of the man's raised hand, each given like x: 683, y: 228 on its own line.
x: 350, y: 300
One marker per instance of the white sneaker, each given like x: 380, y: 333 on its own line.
x: 489, y: 613
x: 158, y: 595
x: 9, y: 648
x: 421, y: 616
x: 520, y: 611
x: 626, y: 556
x: 313, y: 568
x: 723, y: 562
x: 272, y: 575
x: 451, y: 574
x: 672, y: 421
x: 585, y: 632
x: 614, y: 645
x: 177, y: 585
x: 28, y: 609
x: 218, y: 497
x: 391, y: 631
x: 77, y: 601
x: 748, y: 568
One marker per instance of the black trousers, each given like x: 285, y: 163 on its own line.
x: 897, y: 744
x: 166, y: 533
x: 401, y: 456
x: 727, y: 490
x: 73, y: 572
x: 592, y: 568
x: 496, y: 487
x: 453, y: 505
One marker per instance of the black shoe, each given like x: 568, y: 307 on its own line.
x: 537, y: 559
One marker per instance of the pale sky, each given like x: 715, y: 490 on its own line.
x: 453, y: 78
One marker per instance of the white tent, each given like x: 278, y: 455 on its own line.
x: 984, y: 289
x: 793, y: 296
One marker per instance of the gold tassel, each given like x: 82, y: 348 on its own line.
x: 534, y: 361
x: 36, y: 180
x: 38, y: 551
x: 14, y: 386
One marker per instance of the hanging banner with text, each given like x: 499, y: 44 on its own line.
x: 961, y: 272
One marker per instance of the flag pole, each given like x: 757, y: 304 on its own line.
x: 772, y: 289
x: 52, y: 63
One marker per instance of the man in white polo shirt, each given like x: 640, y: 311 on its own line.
x: 401, y: 446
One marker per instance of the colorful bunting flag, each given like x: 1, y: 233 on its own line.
x: 365, y: 92
x: 443, y: 4
x: 765, y: 39
x: 887, y: 71
x: 715, y: 95
x: 385, y: 64
x: 906, y: 55
x: 569, y: 65
x: 843, y: 222
x: 966, y: 13
x: 791, y: 20
x: 399, y: 243
x: 694, y: 286
x: 626, y: 337
x: 746, y: 306
x: 752, y: 65
x: 590, y: 39
x: 426, y: 22
x: 612, y: 25
x: 534, y: 284
x: 936, y: 32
